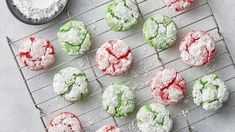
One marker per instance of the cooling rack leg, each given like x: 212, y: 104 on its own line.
x: 22, y: 75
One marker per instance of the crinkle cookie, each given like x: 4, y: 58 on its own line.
x: 71, y: 83
x: 122, y: 15
x: 160, y: 31
x: 65, y: 122
x: 37, y: 53
x: 210, y: 92
x: 197, y: 48
x: 168, y: 86
x: 118, y: 100
x: 154, y: 118
x: 179, y: 5
x: 109, y: 128
x: 74, y: 38
x: 114, y: 57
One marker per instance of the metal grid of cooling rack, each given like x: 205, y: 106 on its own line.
x: 147, y: 62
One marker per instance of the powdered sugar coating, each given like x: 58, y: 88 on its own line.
x: 37, y: 53
x: 122, y: 15
x: 74, y: 38
x: 179, y: 5
x: 109, y: 128
x: 154, y: 118
x: 197, y: 48
x: 65, y: 122
x: 71, y: 83
x: 210, y: 92
x: 114, y: 57
x: 118, y: 100
x: 160, y: 31
x: 168, y: 86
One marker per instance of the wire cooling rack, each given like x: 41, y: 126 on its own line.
x: 186, y: 115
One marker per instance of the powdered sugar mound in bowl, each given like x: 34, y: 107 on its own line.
x: 39, y: 9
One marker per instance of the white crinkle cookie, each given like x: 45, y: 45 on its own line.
x: 71, y: 83
x: 210, y: 92
x: 154, y: 118
x: 118, y: 100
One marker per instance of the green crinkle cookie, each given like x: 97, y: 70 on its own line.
x: 160, y: 32
x: 122, y: 15
x: 74, y: 38
x: 154, y: 118
x: 71, y: 83
x: 118, y: 100
x: 210, y: 92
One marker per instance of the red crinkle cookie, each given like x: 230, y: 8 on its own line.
x: 179, y: 5
x: 37, y: 53
x: 114, y: 57
x: 65, y: 122
x: 197, y: 48
x: 168, y: 86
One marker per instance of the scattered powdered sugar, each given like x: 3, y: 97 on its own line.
x: 136, y: 75
x: 39, y: 9
x: 194, y: 129
x: 147, y: 82
x: 135, y: 87
x: 90, y: 120
x: 94, y: 27
x: 211, y: 67
x: 146, y: 74
x: 132, y: 126
x: 186, y: 101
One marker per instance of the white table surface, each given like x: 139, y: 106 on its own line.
x: 17, y: 112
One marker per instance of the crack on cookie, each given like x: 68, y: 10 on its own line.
x: 165, y: 22
x: 155, y: 114
x: 178, y: 83
x: 121, y: 26
x: 72, y: 82
x: 27, y: 58
x: 122, y: 103
x: 204, y: 83
x: 193, y: 41
x: 110, y: 52
x: 70, y: 46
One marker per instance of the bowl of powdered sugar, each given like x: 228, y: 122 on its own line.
x: 36, y: 12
